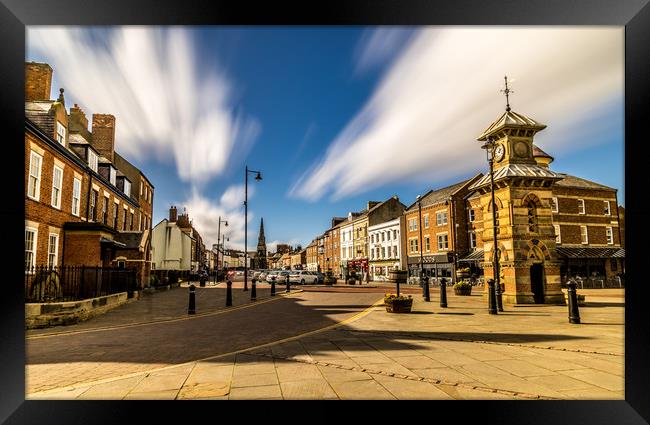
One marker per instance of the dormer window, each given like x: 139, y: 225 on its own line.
x: 60, y: 133
x: 127, y: 187
x: 113, y: 176
x: 92, y: 160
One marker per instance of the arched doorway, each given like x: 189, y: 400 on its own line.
x: 537, y: 282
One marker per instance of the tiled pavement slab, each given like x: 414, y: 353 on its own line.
x: 533, y: 353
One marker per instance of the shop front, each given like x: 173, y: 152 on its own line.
x: 379, y: 269
x: 440, y: 265
x: 360, y: 267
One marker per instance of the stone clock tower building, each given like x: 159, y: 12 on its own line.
x: 530, y: 270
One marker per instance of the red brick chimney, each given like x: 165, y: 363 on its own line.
x: 104, y: 135
x: 173, y: 215
x: 38, y: 81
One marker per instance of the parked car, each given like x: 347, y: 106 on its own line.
x: 282, y: 275
x: 303, y: 277
x: 270, y: 275
x: 320, y: 276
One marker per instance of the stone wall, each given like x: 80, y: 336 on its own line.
x: 40, y: 315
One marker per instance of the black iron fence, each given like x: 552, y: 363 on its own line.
x: 596, y: 282
x: 73, y: 283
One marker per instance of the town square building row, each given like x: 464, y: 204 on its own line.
x: 85, y: 204
x: 550, y: 225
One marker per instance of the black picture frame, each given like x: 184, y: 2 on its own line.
x: 633, y: 14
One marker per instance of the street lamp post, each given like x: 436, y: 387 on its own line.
x: 218, y: 236
x: 425, y: 281
x: 223, y: 254
x: 258, y: 177
x: 489, y: 147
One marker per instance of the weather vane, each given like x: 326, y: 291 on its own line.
x: 507, y: 91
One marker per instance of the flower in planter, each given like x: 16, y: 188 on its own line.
x: 389, y: 298
x: 463, y: 284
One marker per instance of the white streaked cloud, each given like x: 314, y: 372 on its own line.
x: 442, y: 91
x: 377, y: 46
x: 149, y: 78
x: 205, y: 212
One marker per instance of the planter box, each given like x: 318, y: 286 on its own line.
x: 401, y: 306
x: 463, y: 291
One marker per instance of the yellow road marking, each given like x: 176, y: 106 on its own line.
x: 177, y: 319
x: 243, y: 350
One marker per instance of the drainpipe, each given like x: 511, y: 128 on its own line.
x: 90, y: 187
x: 618, y: 220
x: 452, y: 203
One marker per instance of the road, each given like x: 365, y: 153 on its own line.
x: 123, y: 344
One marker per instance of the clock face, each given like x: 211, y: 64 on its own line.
x: 498, y: 152
x: 521, y: 149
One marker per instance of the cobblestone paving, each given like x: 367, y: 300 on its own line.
x: 461, y: 352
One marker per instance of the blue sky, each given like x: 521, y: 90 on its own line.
x: 333, y: 116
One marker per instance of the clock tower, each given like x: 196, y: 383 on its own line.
x: 529, y: 270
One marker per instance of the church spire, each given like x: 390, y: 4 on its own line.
x: 262, y: 239
x: 261, y: 247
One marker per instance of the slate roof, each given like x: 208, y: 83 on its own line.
x: 538, y: 152
x: 39, y: 113
x: 511, y: 119
x: 516, y: 170
x: 573, y: 181
x: 131, y: 240
x: 590, y: 252
x: 436, y: 196
x: 77, y: 139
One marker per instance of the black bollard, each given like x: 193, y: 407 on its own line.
x: 288, y: 284
x: 574, y: 313
x: 192, y: 307
x: 228, y: 293
x: 426, y: 295
x: 498, y: 290
x: 443, y: 292
x: 202, y: 281
x: 273, y: 286
x: 492, y: 297
x: 253, y: 290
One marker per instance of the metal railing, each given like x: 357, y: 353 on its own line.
x: 596, y: 282
x: 72, y: 283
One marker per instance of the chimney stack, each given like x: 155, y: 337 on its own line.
x: 372, y: 204
x: 38, y: 81
x: 173, y: 214
x: 77, y: 121
x: 104, y: 135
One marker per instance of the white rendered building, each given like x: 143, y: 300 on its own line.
x: 384, y: 248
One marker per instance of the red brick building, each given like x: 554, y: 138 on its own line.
x: 443, y: 221
x: 84, y: 204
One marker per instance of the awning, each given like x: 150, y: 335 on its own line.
x: 473, y: 256
x: 591, y: 252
